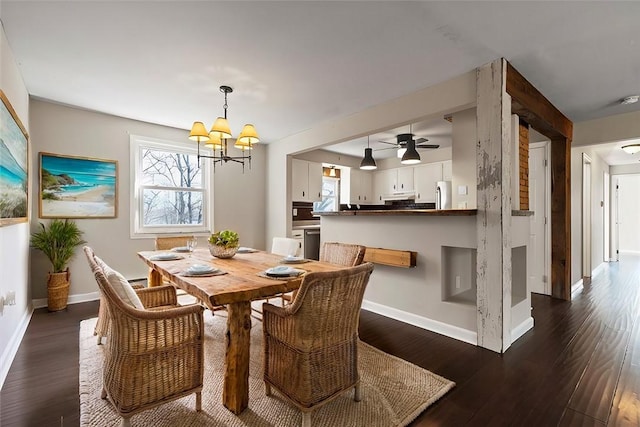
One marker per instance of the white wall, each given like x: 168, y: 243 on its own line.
x: 238, y: 197
x: 464, y: 159
x: 14, y: 239
x: 629, y: 206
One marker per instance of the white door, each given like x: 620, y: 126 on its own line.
x: 586, y: 215
x: 605, y: 220
x: 538, y: 257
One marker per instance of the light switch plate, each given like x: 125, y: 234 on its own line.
x: 462, y: 190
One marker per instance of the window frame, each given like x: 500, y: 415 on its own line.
x: 138, y: 230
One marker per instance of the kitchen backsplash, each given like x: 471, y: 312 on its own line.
x: 302, y: 211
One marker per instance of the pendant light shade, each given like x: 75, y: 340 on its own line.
x: 221, y: 128
x: 368, y: 163
x: 214, y: 141
x: 198, y: 132
x: 411, y: 156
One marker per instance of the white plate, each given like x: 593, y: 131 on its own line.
x: 198, y: 269
x: 181, y: 249
x: 243, y: 250
x: 165, y: 257
x: 293, y: 260
x: 283, y: 271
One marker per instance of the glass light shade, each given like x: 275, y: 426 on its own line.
x: 332, y: 172
x: 401, y: 152
x: 411, y: 156
x: 368, y: 163
x: 214, y: 141
x: 631, y: 148
x: 221, y: 128
x: 249, y: 135
x: 198, y: 132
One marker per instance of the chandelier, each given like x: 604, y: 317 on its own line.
x: 217, y: 137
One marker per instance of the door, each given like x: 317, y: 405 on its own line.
x: 586, y: 215
x: 539, y: 193
x: 605, y: 219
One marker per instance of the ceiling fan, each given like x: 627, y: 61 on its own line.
x: 402, y: 140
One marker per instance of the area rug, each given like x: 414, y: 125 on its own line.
x: 394, y: 392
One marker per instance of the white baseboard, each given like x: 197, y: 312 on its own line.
x: 422, y: 322
x: 599, y: 269
x: 9, y: 353
x: 73, y: 299
x: 521, y: 329
x: 630, y: 252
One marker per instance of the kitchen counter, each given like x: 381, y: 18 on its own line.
x: 416, y: 212
x: 306, y: 227
x: 388, y: 212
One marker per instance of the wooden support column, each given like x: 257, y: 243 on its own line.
x: 561, y: 218
x: 494, y: 208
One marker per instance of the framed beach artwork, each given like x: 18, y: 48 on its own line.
x: 14, y: 166
x: 77, y: 187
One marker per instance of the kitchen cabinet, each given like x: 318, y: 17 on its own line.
x: 426, y: 176
x: 360, y: 188
x: 381, y: 185
x: 404, y: 179
x: 306, y: 181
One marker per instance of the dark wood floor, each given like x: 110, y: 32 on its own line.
x: 579, y: 366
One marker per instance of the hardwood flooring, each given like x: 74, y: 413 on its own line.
x: 579, y: 366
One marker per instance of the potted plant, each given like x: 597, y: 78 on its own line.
x: 224, y: 244
x: 58, y: 241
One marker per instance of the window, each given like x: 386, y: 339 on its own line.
x: 170, y: 193
x: 330, y: 198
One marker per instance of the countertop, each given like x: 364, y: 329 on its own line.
x: 306, y: 227
x: 419, y: 212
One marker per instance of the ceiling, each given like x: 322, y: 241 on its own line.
x: 295, y: 64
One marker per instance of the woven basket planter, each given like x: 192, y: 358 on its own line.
x: 57, y: 291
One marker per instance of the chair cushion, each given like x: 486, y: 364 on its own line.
x: 120, y: 285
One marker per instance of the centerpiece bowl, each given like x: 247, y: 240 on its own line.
x: 224, y: 244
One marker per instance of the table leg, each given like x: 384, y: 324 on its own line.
x: 155, y: 278
x: 235, y: 393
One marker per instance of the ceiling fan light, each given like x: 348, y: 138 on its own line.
x: 411, y: 156
x: 368, y: 162
x: 631, y: 148
x: 401, y: 152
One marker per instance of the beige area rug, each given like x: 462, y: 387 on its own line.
x: 394, y: 392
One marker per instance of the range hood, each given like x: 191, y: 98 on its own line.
x: 404, y: 195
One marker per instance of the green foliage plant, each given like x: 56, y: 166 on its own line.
x: 226, y: 238
x: 58, y: 241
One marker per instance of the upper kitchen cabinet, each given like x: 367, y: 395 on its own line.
x: 306, y: 181
x: 360, y: 187
x: 425, y: 178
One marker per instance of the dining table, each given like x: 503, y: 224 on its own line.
x: 242, y: 280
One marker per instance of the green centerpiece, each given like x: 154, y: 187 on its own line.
x: 224, y: 244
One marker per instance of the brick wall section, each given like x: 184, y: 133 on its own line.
x: 524, y: 165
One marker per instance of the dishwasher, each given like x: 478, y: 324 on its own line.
x: 312, y: 243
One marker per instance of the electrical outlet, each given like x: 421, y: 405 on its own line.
x: 457, y: 282
x: 11, y: 298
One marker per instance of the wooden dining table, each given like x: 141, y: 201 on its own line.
x: 241, y: 284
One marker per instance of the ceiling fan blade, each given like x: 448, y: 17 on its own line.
x: 385, y: 142
x: 428, y: 146
x: 421, y: 140
x: 386, y: 148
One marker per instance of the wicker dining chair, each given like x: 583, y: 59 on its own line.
x: 166, y: 243
x: 311, y: 345
x: 164, y: 362
x: 346, y: 254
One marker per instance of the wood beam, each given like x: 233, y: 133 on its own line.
x: 528, y: 103
x: 561, y: 218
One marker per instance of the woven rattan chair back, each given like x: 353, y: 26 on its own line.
x: 311, y: 346
x: 345, y: 254
x: 165, y: 243
x: 131, y: 379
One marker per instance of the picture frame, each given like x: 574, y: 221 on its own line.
x: 77, y: 187
x: 14, y: 166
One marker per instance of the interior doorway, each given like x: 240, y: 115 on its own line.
x: 605, y: 217
x: 539, y: 228
x: 586, y: 215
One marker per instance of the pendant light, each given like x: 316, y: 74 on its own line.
x: 411, y: 156
x: 368, y: 163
